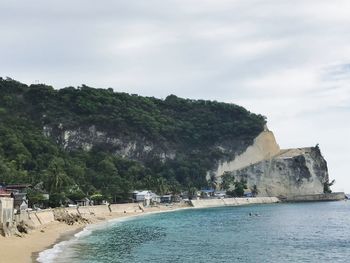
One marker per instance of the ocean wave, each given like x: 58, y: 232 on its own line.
x: 49, y: 255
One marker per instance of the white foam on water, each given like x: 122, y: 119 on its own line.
x: 51, y: 255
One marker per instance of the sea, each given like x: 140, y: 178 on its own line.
x: 286, y: 232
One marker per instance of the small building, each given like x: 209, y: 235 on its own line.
x: 248, y: 193
x: 140, y: 196
x: 207, y: 193
x: 220, y: 194
x: 16, y: 191
x: 18, y: 199
x: 19, y: 188
x: 166, y: 199
x: 6, y: 215
x: 155, y: 198
x: 83, y: 202
x: 143, y: 196
x: 185, y: 196
x: 146, y: 196
x: 4, y: 193
x: 176, y: 198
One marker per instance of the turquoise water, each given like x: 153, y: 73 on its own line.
x: 304, y: 232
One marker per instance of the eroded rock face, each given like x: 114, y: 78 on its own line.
x: 291, y: 172
x: 263, y: 147
x: 274, y: 171
x: 86, y: 138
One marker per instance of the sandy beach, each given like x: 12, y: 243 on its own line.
x: 26, y: 249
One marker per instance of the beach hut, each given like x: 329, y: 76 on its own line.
x: 165, y: 199
x: 143, y: 196
x: 220, y: 194
x: 155, y: 198
x: 207, y: 193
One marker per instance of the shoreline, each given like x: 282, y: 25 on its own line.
x: 63, y: 237
x: 47, y: 236
x: 67, y: 236
x: 27, y: 248
x: 23, y: 249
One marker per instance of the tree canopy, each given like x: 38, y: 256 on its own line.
x: 194, y: 130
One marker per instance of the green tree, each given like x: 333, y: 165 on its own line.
x: 327, y: 186
x: 239, y: 188
x: 227, y: 181
x: 36, y: 197
x: 35, y: 118
x: 56, y: 177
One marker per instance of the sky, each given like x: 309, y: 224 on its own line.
x: 288, y: 60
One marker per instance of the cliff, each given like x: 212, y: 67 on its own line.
x: 264, y: 147
x: 77, y: 142
x: 278, y: 172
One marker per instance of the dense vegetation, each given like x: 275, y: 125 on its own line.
x: 193, y: 129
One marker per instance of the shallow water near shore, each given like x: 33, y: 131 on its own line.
x: 299, y: 232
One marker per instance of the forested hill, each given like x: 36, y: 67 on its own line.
x: 77, y: 142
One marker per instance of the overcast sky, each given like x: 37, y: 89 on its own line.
x: 288, y: 60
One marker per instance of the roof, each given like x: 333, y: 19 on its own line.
x: 208, y: 190
x: 145, y: 192
x: 4, y: 193
x: 16, y: 186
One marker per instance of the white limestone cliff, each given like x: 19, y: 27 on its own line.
x: 278, y: 172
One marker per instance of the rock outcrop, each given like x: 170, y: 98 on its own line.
x: 263, y: 147
x: 275, y: 172
x: 278, y: 172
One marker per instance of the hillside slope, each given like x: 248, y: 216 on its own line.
x: 83, y: 141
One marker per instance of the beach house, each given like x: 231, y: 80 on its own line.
x: 6, y: 215
x: 166, y: 199
x: 207, y: 193
x: 144, y: 196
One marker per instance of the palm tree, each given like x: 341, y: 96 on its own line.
x: 213, y: 181
x: 327, y: 186
x: 57, y: 176
x: 162, y: 186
